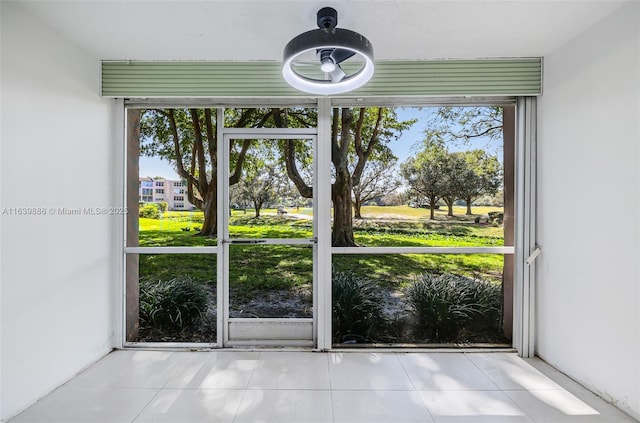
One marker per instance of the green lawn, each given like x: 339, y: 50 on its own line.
x: 256, y: 268
x: 368, y: 212
x: 406, y: 212
x: 276, y: 280
x: 381, y: 226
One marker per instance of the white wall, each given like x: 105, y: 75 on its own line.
x: 588, y: 300
x: 57, y: 272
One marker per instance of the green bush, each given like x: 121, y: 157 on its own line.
x: 443, y: 305
x: 163, y: 206
x: 489, y: 298
x: 357, y: 308
x: 149, y: 211
x: 171, y: 306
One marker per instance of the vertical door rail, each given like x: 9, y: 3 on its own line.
x: 526, y: 249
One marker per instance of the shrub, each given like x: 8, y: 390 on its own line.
x: 489, y: 297
x: 444, y: 304
x: 357, y: 307
x: 149, y: 211
x: 172, y: 305
x: 163, y: 206
x: 496, y: 218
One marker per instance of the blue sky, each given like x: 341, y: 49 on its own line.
x: 406, y: 146
x: 155, y: 166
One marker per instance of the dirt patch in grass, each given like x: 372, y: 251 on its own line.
x: 288, y: 303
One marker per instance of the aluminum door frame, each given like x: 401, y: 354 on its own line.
x: 261, y: 331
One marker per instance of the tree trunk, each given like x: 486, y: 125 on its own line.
x: 357, y: 206
x: 432, y: 207
x: 449, y: 202
x: 210, y: 224
x: 468, y: 201
x: 342, y: 233
x: 257, y: 207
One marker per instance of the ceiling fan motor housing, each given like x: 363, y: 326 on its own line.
x: 329, y: 38
x: 327, y: 17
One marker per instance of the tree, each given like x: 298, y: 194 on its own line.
x: 376, y: 181
x: 483, y: 172
x: 483, y: 176
x: 369, y: 128
x: 455, y: 176
x: 260, y: 185
x: 188, y: 139
x: 355, y: 135
x: 438, y: 174
x: 424, y: 173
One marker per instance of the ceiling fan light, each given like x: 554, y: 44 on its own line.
x: 328, y: 66
x: 343, y: 44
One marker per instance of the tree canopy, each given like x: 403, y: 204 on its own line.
x: 436, y: 174
x: 455, y: 123
x: 187, y: 137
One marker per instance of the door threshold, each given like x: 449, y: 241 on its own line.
x: 287, y: 345
x: 268, y: 343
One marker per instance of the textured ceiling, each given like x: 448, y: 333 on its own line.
x: 259, y: 29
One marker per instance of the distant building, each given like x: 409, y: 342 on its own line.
x: 157, y: 190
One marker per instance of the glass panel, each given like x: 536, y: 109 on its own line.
x: 418, y: 299
x: 177, y: 297
x: 270, y: 280
x: 176, y: 205
x: 264, y: 200
x: 420, y: 176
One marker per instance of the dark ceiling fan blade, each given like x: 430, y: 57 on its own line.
x: 339, y: 55
x: 337, y: 75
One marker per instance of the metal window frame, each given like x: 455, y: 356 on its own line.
x: 525, y: 234
x: 119, y: 239
x: 524, y: 283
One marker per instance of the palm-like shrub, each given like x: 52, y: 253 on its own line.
x: 171, y: 306
x: 357, y: 308
x: 443, y: 305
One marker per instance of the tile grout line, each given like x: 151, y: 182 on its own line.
x: 424, y: 404
x: 246, y: 387
x: 157, y: 393
x: 466, y: 356
x: 333, y: 413
x: 503, y: 391
x: 405, y: 371
x: 147, y: 404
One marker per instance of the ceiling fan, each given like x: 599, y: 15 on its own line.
x: 325, y: 50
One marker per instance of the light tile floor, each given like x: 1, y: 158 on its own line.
x: 298, y: 387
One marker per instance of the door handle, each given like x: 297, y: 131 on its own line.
x: 533, y: 256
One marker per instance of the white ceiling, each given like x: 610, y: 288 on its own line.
x: 259, y: 29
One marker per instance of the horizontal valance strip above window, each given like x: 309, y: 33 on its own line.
x: 486, y: 77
